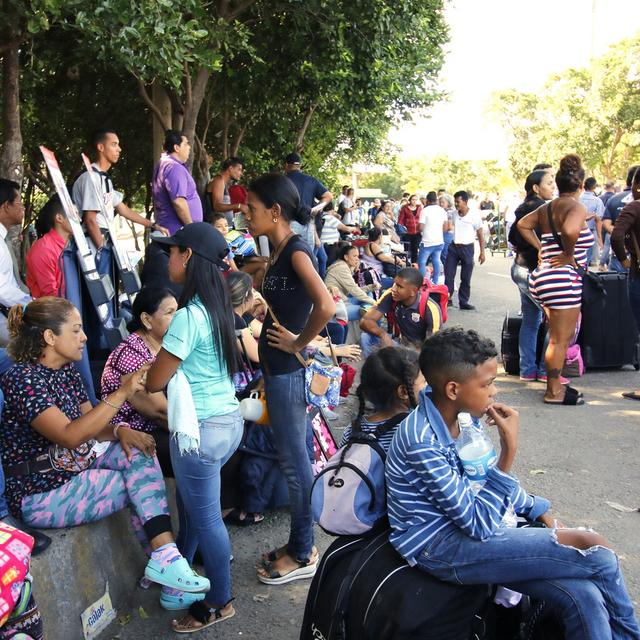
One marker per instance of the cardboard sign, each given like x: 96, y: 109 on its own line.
x: 98, y: 616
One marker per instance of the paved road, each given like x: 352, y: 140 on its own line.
x: 579, y: 457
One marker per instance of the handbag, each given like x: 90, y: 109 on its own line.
x: 322, y: 375
x: 592, y: 286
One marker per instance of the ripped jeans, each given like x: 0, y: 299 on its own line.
x: 585, y: 587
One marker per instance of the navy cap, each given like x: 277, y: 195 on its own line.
x: 203, y: 239
x: 293, y: 158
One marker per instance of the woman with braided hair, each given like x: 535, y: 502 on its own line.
x: 390, y: 382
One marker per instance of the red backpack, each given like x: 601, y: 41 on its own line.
x: 432, y: 297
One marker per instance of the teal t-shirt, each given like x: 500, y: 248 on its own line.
x: 190, y: 338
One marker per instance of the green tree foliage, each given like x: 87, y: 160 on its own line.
x: 256, y: 78
x: 594, y: 112
x: 420, y: 175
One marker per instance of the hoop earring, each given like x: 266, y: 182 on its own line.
x: 184, y: 265
x: 274, y: 219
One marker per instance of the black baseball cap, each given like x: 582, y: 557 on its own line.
x: 293, y: 158
x: 203, y: 239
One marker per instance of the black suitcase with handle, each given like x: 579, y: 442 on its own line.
x: 608, y: 334
x: 509, y: 344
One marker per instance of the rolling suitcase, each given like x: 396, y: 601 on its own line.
x: 509, y: 344
x: 609, y: 336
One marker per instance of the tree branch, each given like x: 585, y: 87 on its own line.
x: 305, y: 125
x: 239, y: 138
x: 239, y: 10
x: 188, y: 89
x: 144, y: 94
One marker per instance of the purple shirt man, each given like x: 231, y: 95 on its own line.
x: 175, y: 197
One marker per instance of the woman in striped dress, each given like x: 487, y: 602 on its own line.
x: 556, y: 283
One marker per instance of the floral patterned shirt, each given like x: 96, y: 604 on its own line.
x: 126, y: 358
x: 29, y: 390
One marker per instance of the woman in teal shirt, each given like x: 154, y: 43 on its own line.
x: 200, y: 348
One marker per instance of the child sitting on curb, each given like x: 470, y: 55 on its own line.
x: 441, y: 527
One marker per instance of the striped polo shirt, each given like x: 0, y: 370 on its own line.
x: 330, y: 233
x: 428, y: 496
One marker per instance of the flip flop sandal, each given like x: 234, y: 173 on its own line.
x: 249, y: 519
x: 572, y: 398
x: 632, y: 395
x: 205, y: 616
x: 305, y: 570
x: 177, y: 603
x: 177, y: 575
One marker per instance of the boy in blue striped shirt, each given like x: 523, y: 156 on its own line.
x: 440, y: 526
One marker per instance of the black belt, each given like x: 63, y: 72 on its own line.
x: 41, y: 464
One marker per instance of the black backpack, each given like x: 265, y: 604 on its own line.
x: 364, y: 590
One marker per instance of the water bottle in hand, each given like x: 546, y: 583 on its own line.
x: 475, y: 450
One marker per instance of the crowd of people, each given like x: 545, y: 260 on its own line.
x: 242, y: 285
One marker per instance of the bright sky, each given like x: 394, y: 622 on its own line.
x: 499, y: 44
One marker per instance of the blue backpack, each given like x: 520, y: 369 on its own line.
x: 348, y: 497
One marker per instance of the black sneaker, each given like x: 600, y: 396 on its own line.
x: 465, y: 306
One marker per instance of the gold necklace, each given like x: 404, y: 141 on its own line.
x: 276, y: 254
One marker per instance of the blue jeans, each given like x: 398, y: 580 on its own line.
x: 198, y: 495
x: 355, y: 306
x: 606, y: 250
x: 321, y: 257
x: 614, y: 265
x: 287, y: 406
x: 336, y: 331
x: 586, y: 587
x: 369, y: 343
x: 531, y: 321
x: 592, y: 248
x: 633, y: 284
x: 434, y: 253
x: 448, y: 239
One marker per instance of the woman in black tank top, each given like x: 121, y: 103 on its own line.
x: 301, y: 306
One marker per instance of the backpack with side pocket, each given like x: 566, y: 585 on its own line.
x: 348, y: 497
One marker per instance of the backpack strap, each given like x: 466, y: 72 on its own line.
x: 424, y: 299
x: 390, y: 423
x: 554, y: 231
x: 436, y: 314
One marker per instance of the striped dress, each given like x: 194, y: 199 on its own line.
x: 560, y: 287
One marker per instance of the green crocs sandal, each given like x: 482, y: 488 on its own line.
x: 177, y: 575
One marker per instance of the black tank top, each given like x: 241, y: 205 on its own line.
x: 287, y: 296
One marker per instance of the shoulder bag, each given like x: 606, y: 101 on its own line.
x: 322, y: 375
x: 592, y: 286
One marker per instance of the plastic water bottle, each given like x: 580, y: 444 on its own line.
x: 475, y: 450
x: 477, y: 454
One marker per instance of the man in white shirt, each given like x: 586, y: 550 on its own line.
x: 106, y: 146
x: 433, y: 222
x: 467, y: 226
x: 11, y: 214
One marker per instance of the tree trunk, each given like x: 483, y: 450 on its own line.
x: 192, y: 107
x: 305, y: 126
x: 163, y: 105
x: 11, y: 157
